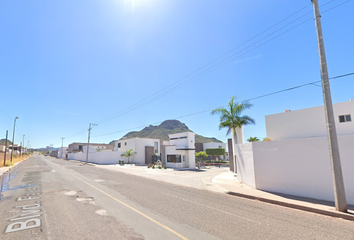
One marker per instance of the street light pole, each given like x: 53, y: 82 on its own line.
x: 13, y: 138
x: 61, y: 150
x: 91, y: 125
x: 338, y: 183
x: 23, y: 143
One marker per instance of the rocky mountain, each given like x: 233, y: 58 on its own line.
x: 167, y: 127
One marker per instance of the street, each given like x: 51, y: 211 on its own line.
x: 49, y: 198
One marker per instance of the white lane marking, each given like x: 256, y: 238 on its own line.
x: 99, y: 180
x: 203, y: 205
x: 84, y: 199
x: 102, y: 212
x: 70, y: 193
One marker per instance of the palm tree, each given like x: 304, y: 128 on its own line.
x: 231, y: 119
x: 128, y: 154
x: 253, y: 139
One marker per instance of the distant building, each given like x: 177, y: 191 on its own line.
x: 180, y: 152
x: 203, y: 146
x: 79, y: 147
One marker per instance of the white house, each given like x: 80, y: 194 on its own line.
x: 62, y: 153
x: 214, y: 145
x: 296, y: 161
x: 140, y: 148
x: 181, y: 150
x: 310, y: 122
x: 217, y: 145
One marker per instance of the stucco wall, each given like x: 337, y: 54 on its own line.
x: 309, y: 122
x: 245, y: 164
x: 299, y: 167
x: 104, y: 157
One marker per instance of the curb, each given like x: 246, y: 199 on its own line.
x: 347, y: 216
x: 11, y: 167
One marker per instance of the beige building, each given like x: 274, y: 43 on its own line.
x: 79, y: 147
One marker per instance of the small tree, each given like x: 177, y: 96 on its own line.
x: 201, y: 156
x: 128, y: 154
x: 253, y: 139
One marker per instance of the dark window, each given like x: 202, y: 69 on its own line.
x: 174, y: 158
x: 80, y: 147
x: 118, y: 145
x: 156, y: 145
x: 177, y: 138
x: 348, y: 118
x: 345, y: 118
x: 125, y: 143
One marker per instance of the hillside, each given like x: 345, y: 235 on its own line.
x: 2, y: 141
x: 164, y: 129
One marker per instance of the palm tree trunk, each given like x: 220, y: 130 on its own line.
x: 234, y: 142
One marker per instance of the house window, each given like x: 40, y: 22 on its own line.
x: 156, y: 147
x: 125, y: 143
x: 80, y: 147
x: 177, y: 138
x: 118, y: 145
x: 345, y: 118
x: 174, y: 158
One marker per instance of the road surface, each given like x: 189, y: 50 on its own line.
x: 49, y: 198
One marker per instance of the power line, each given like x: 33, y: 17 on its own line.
x: 138, y: 103
x: 77, y: 133
x: 5, y: 113
x: 161, y: 94
x: 329, y: 9
x: 246, y: 100
x: 203, y: 73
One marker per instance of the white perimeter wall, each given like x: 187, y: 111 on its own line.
x: 104, y: 157
x: 309, y: 122
x: 299, y: 167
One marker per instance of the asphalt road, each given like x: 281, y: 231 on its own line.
x: 48, y: 198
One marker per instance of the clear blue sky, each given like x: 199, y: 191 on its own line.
x: 64, y: 64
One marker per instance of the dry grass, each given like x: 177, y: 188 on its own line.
x: 14, y: 159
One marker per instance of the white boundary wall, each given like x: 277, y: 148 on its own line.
x: 104, y: 157
x: 299, y: 167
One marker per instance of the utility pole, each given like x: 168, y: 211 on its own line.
x: 23, y: 143
x: 338, y: 183
x: 5, y: 148
x: 13, y: 138
x: 61, y: 150
x: 91, y: 125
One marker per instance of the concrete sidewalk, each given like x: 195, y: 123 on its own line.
x: 223, y: 181
x: 4, y: 170
x: 233, y: 187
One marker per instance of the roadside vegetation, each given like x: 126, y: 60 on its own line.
x: 15, y: 158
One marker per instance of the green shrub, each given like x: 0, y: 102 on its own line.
x: 215, y: 151
x: 14, y: 156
